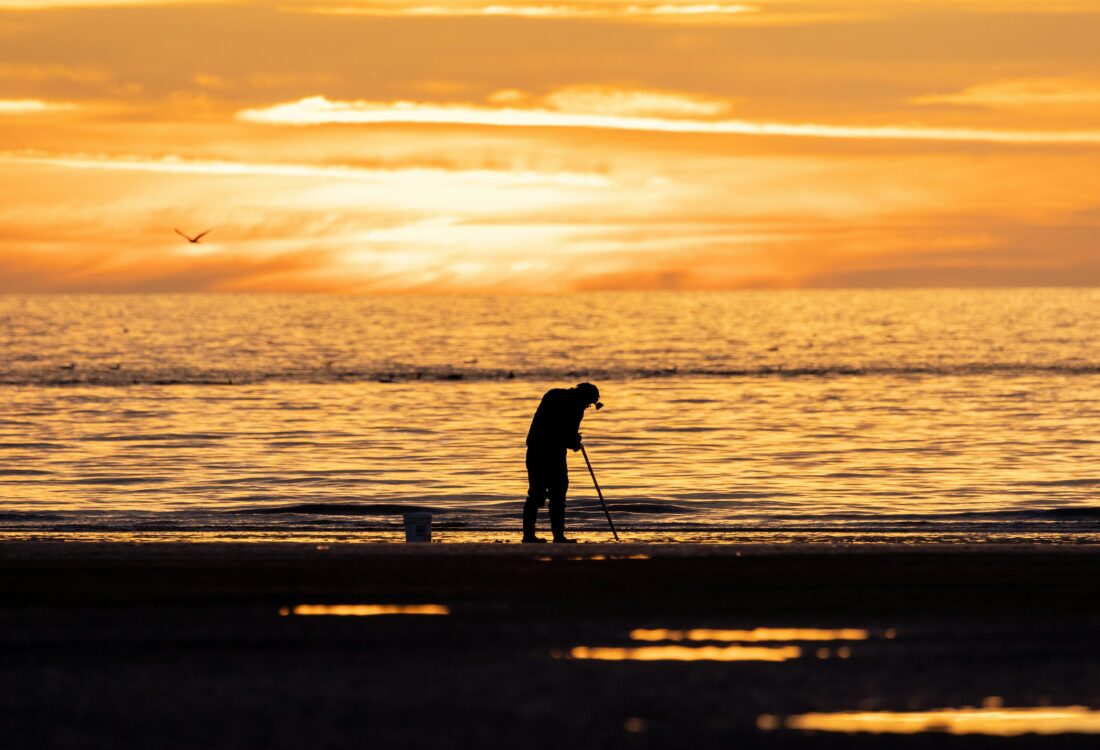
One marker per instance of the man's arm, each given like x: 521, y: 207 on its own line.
x: 573, y: 435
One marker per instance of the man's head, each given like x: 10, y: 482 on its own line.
x: 589, y: 394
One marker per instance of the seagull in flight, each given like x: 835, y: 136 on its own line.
x: 193, y: 240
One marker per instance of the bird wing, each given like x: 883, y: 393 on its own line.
x: 200, y: 236
x: 181, y: 234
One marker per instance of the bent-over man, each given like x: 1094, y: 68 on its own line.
x: 554, y: 428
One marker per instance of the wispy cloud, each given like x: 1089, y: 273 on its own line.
x: 53, y: 4
x: 758, y: 13
x: 603, y: 100
x: 1024, y: 92
x: 397, y: 177
x: 102, y: 270
x: 31, y: 106
x: 318, y: 110
x: 608, y: 10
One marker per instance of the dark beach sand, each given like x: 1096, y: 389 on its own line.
x: 184, y: 646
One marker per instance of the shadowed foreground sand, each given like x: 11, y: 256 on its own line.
x: 208, y: 645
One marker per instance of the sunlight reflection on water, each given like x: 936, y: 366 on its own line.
x: 980, y: 415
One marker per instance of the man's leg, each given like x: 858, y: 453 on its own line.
x: 557, y: 517
x: 530, y: 519
x: 536, y: 497
x: 557, y: 479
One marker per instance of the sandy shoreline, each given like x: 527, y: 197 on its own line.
x: 808, y: 579
x: 197, y: 550
x: 197, y: 645
x: 828, y: 575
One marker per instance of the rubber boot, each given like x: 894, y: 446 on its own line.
x: 530, y: 516
x: 557, y: 522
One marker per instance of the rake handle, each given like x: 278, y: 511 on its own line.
x: 599, y: 492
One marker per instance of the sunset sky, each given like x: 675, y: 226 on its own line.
x: 522, y: 145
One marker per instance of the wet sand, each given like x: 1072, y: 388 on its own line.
x: 198, y: 645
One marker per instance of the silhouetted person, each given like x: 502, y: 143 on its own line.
x: 554, y: 428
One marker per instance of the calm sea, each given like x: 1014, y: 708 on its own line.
x: 844, y: 415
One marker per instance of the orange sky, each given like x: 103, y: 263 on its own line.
x: 454, y: 145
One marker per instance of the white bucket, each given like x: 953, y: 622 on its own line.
x: 418, y: 527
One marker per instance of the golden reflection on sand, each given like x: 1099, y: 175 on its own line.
x: 754, y: 635
x: 1002, y: 722
x: 582, y: 558
x: 364, y: 610
x: 687, y: 653
x: 577, y: 558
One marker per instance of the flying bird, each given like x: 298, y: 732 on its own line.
x: 193, y: 240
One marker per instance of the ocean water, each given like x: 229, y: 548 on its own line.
x: 787, y: 415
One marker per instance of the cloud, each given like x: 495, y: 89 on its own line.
x: 396, y: 177
x: 1014, y: 7
x: 602, y: 100
x: 31, y: 106
x: 1023, y: 92
x: 852, y: 73
x: 1000, y: 254
x: 966, y: 252
x: 983, y: 273
x: 318, y: 110
x: 686, y: 12
x: 102, y: 270
x: 29, y: 5
x: 630, y: 11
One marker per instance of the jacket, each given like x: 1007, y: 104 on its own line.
x: 557, y: 421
